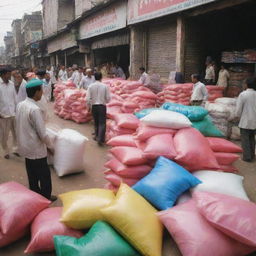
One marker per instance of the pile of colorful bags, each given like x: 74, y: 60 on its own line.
x: 215, y: 92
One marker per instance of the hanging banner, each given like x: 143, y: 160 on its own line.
x: 110, y: 19
x: 142, y: 10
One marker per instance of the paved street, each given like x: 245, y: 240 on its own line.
x: 92, y: 177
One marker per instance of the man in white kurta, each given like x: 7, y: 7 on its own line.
x: 199, y: 93
x: 77, y: 76
x: 63, y: 76
x: 87, y: 80
x: 8, y: 104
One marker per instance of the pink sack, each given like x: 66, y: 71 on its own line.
x: 225, y: 158
x: 144, y: 132
x: 44, y: 227
x: 228, y: 168
x: 127, y: 121
x: 110, y: 186
x: 195, y: 236
x: 133, y: 172
x: 193, y: 150
x: 122, y: 140
x: 12, y: 236
x: 233, y: 216
x: 117, y: 180
x: 18, y: 207
x: 222, y: 145
x: 129, y: 155
x: 160, y: 145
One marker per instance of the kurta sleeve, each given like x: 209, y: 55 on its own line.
x: 239, y: 106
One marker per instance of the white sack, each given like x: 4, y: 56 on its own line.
x: 226, y: 101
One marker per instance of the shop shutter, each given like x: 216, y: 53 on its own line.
x: 161, y: 54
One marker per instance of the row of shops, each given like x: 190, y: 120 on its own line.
x: 162, y: 36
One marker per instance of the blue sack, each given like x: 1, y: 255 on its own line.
x: 193, y: 113
x: 144, y: 112
x: 165, y: 183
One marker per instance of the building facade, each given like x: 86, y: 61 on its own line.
x: 9, y: 47
x: 18, y: 42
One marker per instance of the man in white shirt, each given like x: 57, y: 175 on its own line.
x: 33, y: 140
x: 119, y: 72
x: 21, y: 94
x: 144, y: 78
x: 63, y: 76
x: 199, y: 93
x: 98, y: 95
x: 210, y: 74
x: 87, y: 80
x: 8, y: 104
x: 77, y: 76
x: 246, y: 110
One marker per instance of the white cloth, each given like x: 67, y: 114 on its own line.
x: 223, y: 78
x: 52, y: 76
x: 76, y: 78
x: 98, y: 94
x: 210, y: 73
x: 86, y: 81
x: 8, y: 99
x: 47, y: 89
x: 22, y: 93
x: 63, y: 75
x: 31, y: 132
x: 120, y: 73
x: 199, y: 92
x: 145, y: 79
x: 246, y: 109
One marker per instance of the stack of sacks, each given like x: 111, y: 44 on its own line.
x: 176, y: 93
x: 114, y: 106
x: 214, y: 92
x: 120, y: 233
x: 59, y: 87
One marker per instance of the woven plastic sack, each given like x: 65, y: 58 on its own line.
x: 127, y: 121
x: 233, y: 216
x: 207, y: 128
x: 160, y: 145
x: 165, y: 183
x: 226, y: 158
x: 122, y: 140
x: 134, y: 172
x: 166, y: 119
x: 129, y: 155
x: 222, y: 145
x: 101, y: 240
x: 193, y: 113
x: 18, y: 207
x: 144, y: 112
x: 69, y: 152
x: 135, y: 219
x: 195, y: 236
x: 220, y: 182
x: 116, y: 180
x: 81, y: 209
x: 193, y: 150
x: 44, y: 227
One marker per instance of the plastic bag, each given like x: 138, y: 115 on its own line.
x: 44, y: 227
x: 101, y: 240
x: 220, y: 182
x: 136, y: 220
x: 222, y: 145
x: 195, y: 236
x: 81, y: 209
x: 122, y: 140
x: 127, y: 121
x: 166, y: 119
x: 116, y: 180
x: 165, y: 183
x: 144, y: 112
x: 193, y: 113
x: 193, y: 150
x: 226, y: 158
x: 69, y: 152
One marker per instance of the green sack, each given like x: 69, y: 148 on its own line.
x: 144, y: 112
x: 101, y: 240
x: 207, y: 128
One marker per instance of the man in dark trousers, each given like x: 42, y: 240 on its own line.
x: 33, y: 140
x: 98, y: 95
x: 246, y: 110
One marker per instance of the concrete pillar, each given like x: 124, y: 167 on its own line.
x: 180, y: 45
x: 137, y: 51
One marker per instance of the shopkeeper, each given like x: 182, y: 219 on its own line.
x: 199, y: 93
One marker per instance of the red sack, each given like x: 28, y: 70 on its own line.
x: 117, y: 180
x: 127, y: 121
x: 193, y: 150
x: 110, y: 186
x: 122, y: 140
x: 44, y: 227
x: 160, y: 145
x: 133, y: 172
x: 222, y: 145
x: 129, y: 155
x: 18, y: 207
x: 228, y: 168
x: 225, y: 158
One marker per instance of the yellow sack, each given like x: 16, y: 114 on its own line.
x: 81, y: 209
x: 135, y: 219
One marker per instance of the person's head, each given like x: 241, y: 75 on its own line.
x: 48, y: 68
x: 41, y: 74
x: 47, y: 77
x: 142, y: 70
x: 223, y: 66
x: 63, y: 68
x: 18, y: 79
x: 5, y: 74
x: 34, y: 89
x: 251, y: 83
x: 80, y: 70
x: 30, y: 75
x: 98, y: 76
x: 89, y: 72
x: 195, y: 78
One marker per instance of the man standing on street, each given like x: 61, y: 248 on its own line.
x: 33, y: 140
x: 144, y: 78
x: 8, y: 103
x: 98, y: 95
x: 87, y: 80
x: 63, y: 76
x: 199, y: 93
x: 246, y: 110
